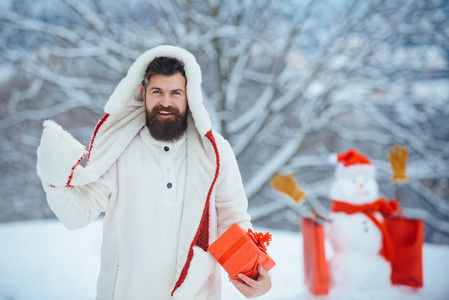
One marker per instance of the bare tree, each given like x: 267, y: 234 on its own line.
x: 287, y: 82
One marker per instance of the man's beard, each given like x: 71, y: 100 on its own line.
x: 166, y: 130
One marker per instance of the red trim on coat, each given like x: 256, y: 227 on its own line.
x: 97, y: 127
x: 73, y: 170
x: 201, y: 238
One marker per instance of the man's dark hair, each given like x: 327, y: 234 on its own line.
x: 166, y: 66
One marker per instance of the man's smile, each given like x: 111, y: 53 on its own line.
x: 165, y: 114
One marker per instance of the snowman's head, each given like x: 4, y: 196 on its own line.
x: 360, y: 189
x: 355, y: 180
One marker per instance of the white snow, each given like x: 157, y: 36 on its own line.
x: 42, y: 260
x: 7, y: 72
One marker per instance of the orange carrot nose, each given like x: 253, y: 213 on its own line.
x: 361, y: 185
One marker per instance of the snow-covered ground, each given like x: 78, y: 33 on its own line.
x: 42, y: 260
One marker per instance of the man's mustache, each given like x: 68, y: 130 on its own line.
x: 169, y: 109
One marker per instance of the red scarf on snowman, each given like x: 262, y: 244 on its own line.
x: 381, y: 205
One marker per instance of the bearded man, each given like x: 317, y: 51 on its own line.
x: 168, y: 184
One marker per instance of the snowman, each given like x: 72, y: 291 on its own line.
x: 361, y: 250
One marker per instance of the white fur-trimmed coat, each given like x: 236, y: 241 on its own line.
x: 213, y: 198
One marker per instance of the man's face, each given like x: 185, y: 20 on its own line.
x: 166, y: 106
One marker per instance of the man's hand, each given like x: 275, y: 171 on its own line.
x: 251, y: 288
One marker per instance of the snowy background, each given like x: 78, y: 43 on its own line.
x: 42, y: 260
x: 286, y: 82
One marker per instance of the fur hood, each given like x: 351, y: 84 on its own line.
x: 128, y: 94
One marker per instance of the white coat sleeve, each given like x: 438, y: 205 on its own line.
x: 77, y: 207
x: 231, y: 202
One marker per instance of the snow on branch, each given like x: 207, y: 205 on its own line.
x: 264, y: 173
x: 440, y: 205
x: 254, y: 114
x: 87, y: 14
x: 235, y: 79
x: 28, y: 24
x: 387, y: 124
x: 42, y: 114
x: 428, y: 218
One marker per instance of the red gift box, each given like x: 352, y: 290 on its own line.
x: 238, y: 251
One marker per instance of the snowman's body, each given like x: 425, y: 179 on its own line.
x: 355, y: 239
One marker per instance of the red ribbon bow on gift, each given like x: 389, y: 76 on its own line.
x: 261, y: 240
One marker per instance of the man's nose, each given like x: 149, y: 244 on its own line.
x: 165, y: 101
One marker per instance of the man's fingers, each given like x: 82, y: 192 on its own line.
x: 247, y: 280
x: 251, y: 282
x: 262, y: 271
x: 252, y: 288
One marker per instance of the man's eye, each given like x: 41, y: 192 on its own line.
x: 176, y: 93
x: 156, y: 92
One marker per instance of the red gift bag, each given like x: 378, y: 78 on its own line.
x: 407, y: 237
x: 316, y: 274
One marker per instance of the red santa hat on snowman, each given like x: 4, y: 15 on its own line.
x: 352, y: 163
